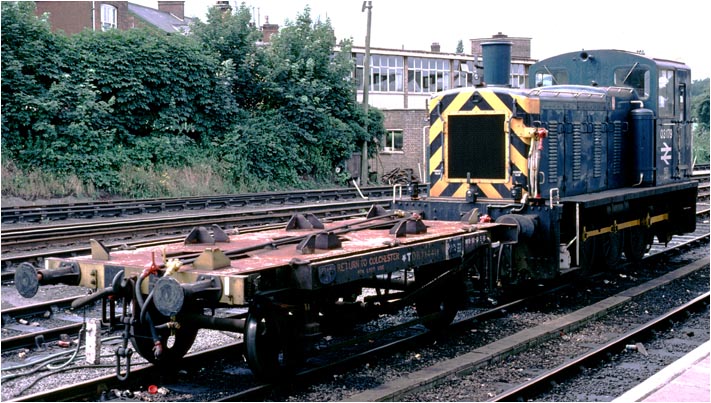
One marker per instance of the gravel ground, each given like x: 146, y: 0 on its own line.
x: 595, y: 385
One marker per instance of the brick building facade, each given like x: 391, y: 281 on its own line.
x: 72, y: 17
x: 410, y: 122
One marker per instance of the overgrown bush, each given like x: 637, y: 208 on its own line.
x: 139, y: 113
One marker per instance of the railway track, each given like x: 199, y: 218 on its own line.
x: 253, y: 222
x: 474, y: 365
x: 544, y: 382
x: 252, y: 391
x: 123, y: 208
x: 23, y: 238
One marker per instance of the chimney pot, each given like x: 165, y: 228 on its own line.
x: 268, y: 30
x: 175, y: 7
x: 223, y: 5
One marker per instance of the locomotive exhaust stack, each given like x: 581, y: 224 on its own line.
x: 496, y: 57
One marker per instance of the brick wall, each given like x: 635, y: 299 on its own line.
x: 411, y: 123
x: 74, y: 16
x: 176, y: 7
x: 520, y: 47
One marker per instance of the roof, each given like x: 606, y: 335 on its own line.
x: 161, y: 19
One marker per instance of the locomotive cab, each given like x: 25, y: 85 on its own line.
x: 661, y: 87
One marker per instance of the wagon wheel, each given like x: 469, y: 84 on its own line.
x: 339, y: 319
x: 637, y: 243
x: 441, y: 305
x: 272, y: 346
x: 610, y: 249
x: 175, y: 343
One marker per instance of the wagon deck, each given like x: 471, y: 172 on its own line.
x: 327, y: 254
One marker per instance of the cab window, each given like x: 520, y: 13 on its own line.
x: 637, y: 77
x: 554, y: 77
x: 666, y: 93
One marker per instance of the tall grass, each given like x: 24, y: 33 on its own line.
x: 136, y: 182
x: 35, y: 184
x: 199, y: 179
x: 203, y: 178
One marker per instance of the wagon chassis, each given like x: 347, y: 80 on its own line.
x: 295, y: 282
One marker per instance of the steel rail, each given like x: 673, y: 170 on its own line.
x: 542, y: 383
x: 113, y: 208
x: 84, y: 231
x: 36, y: 308
x: 28, y: 339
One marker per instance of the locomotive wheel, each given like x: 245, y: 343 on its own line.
x: 587, y: 255
x: 610, y: 249
x: 637, y: 243
x: 664, y: 237
x: 175, y: 345
x: 272, y: 348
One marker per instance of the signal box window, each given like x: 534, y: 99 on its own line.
x: 108, y: 17
x: 392, y: 141
x: 636, y: 77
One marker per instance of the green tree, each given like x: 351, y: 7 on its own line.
x: 164, y: 86
x: 72, y: 135
x: 51, y: 119
x: 32, y: 61
x: 100, y: 104
x: 460, y: 47
x: 700, y: 101
x: 233, y: 39
x: 311, y: 86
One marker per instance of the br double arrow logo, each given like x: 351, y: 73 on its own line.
x: 666, y: 150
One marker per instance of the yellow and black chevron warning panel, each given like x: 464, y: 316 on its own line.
x: 478, y: 134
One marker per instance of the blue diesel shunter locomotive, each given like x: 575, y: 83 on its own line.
x: 590, y: 163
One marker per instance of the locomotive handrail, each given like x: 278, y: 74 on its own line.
x: 570, y: 92
x: 556, y: 198
x: 397, y: 186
